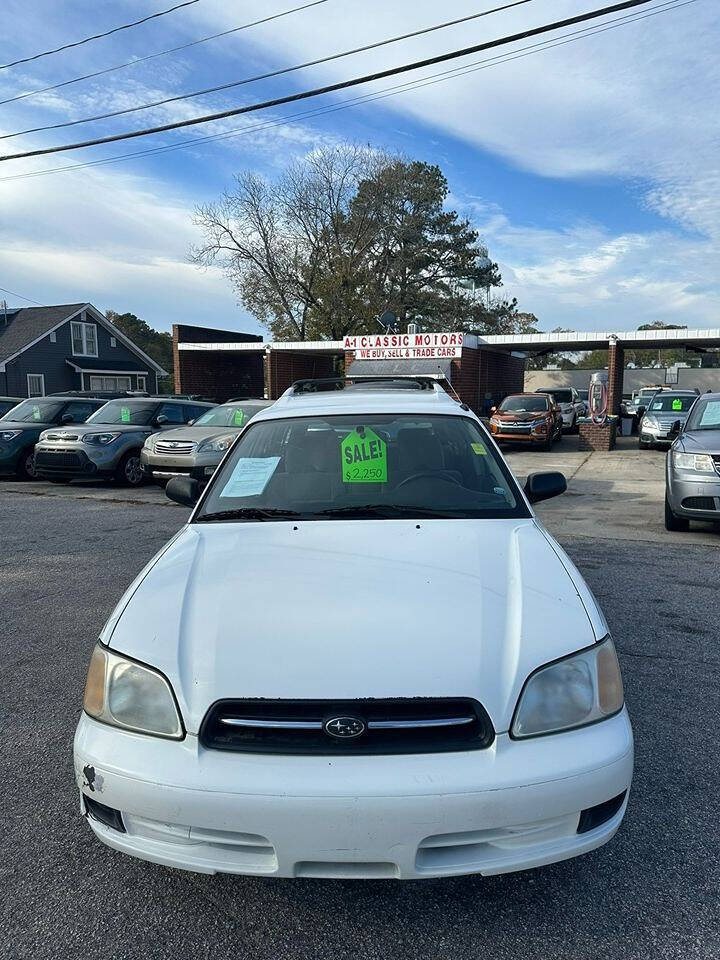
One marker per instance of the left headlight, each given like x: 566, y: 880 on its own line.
x: 99, y: 439
x: 700, y: 462
x: 128, y: 694
x: 650, y: 422
x: 218, y: 444
x: 8, y: 435
x: 573, y: 692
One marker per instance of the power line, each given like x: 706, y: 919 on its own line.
x: 160, y: 53
x: 266, y: 76
x: 20, y: 297
x: 388, y: 92
x: 98, y: 36
x: 332, y: 87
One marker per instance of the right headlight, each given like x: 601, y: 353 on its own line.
x: 130, y: 695
x: 217, y: 444
x: 699, y: 462
x: 569, y: 693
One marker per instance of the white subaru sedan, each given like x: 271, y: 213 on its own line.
x: 362, y: 657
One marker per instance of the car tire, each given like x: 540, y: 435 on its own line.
x: 25, y: 469
x: 672, y: 521
x: 642, y: 445
x: 129, y: 471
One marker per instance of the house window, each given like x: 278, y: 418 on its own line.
x: 84, y: 339
x: 36, y: 384
x: 113, y: 341
x: 142, y: 383
x: 110, y: 384
x: 53, y: 338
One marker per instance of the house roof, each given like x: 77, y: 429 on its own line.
x: 29, y: 323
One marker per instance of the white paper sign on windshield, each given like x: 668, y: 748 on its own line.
x: 711, y: 413
x: 250, y: 476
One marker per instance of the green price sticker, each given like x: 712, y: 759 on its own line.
x: 125, y: 414
x: 238, y: 418
x: 479, y: 449
x: 36, y: 412
x: 364, y: 457
x: 677, y: 404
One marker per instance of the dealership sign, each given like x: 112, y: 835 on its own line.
x: 405, y: 346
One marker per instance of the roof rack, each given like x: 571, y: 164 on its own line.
x: 397, y: 382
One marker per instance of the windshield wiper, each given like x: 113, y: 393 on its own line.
x: 384, y: 511
x: 249, y: 513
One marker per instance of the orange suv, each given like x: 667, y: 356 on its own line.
x: 526, y: 418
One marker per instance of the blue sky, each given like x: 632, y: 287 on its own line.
x: 591, y: 170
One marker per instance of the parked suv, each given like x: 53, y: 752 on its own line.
x: 692, y: 469
x: 199, y: 447
x: 362, y: 657
x: 664, y: 410
x: 568, y: 402
x: 110, y: 444
x: 21, y: 426
x: 526, y: 418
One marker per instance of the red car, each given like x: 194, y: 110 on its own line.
x: 527, y: 418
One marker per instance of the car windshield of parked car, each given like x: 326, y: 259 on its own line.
x: 38, y: 411
x: 705, y: 415
x: 228, y: 415
x: 667, y: 403
x: 125, y: 411
x: 560, y: 396
x: 523, y: 404
x: 362, y: 467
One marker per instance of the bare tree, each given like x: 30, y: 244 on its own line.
x: 298, y: 259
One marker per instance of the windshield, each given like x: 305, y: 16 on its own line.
x: 228, y: 415
x: 561, y: 396
x: 125, y: 411
x: 523, y: 405
x: 362, y: 467
x: 667, y: 403
x: 705, y: 415
x: 37, y: 411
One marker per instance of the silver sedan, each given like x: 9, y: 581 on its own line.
x: 692, y: 479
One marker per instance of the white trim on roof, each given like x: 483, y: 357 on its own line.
x: 116, y: 373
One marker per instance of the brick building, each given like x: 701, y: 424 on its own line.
x: 222, y: 364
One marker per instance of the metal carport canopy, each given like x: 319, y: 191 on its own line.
x: 599, y: 340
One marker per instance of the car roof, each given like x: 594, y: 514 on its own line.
x: 434, y: 400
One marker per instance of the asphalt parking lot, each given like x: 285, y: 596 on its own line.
x: 68, y: 554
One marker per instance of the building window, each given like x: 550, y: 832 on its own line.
x: 113, y: 341
x: 84, y: 339
x: 53, y: 338
x: 142, y: 383
x: 110, y: 384
x: 36, y: 384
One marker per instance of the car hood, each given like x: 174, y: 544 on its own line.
x: 355, y: 609
x: 23, y: 425
x: 699, y: 441
x: 112, y: 427
x: 530, y: 415
x: 197, y: 433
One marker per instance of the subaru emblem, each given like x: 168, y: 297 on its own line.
x: 344, y: 728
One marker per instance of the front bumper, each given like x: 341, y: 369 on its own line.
x: 523, y: 435
x: 67, y: 461
x: 513, y: 806
x: 164, y: 466
x: 693, y: 495
x: 10, y: 453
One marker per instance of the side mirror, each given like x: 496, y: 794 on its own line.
x: 66, y: 418
x: 190, y: 422
x: 542, y: 486
x: 676, y: 428
x: 161, y: 419
x: 184, y: 490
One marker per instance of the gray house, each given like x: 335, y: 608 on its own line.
x: 72, y: 346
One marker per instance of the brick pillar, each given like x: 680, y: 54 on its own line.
x: 616, y: 372
x: 349, y: 357
x: 177, y: 373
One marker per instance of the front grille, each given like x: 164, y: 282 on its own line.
x: 176, y: 447
x: 57, y: 458
x: 389, y: 726
x: 55, y: 437
x: 699, y: 503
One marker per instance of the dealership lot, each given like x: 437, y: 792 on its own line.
x: 69, y: 552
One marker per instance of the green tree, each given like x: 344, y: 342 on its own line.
x: 154, y: 343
